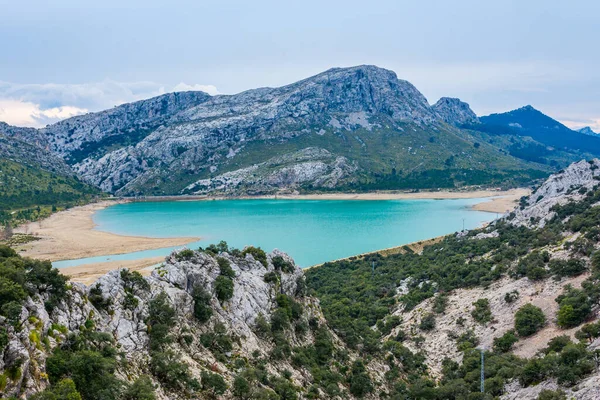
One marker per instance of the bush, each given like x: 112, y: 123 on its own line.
x: 588, y: 332
x: 141, y: 389
x: 214, y: 384
x: 528, y: 320
x: 257, y: 253
x: 504, y: 343
x: 575, y: 307
x: 63, y: 390
x: 552, y: 395
x: 280, y: 264
x: 202, y: 309
x: 439, y: 303
x: 427, y: 322
x: 223, y: 288
x: 185, y: 254
x: 482, y: 312
x: 571, y: 267
x: 511, y: 297
x: 225, y: 267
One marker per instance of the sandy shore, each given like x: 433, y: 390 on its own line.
x: 89, y: 273
x: 70, y: 234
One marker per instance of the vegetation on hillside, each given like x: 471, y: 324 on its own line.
x: 355, y: 298
x: 29, y: 193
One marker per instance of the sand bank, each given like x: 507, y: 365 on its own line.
x: 70, y: 234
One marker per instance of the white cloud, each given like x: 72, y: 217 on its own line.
x: 593, y: 123
x: 39, y: 104
x: 24, y: 113
x: 183, y: 87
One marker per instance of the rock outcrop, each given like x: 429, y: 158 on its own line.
x: 568, y: 185
x: 455, y: 112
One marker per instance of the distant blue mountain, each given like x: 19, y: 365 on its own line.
x: 587, y: 131
x: 527, y: 121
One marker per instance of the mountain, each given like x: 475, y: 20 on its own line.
x: 527, y: 121
x: 357, y: 128
x: 587, y: 131
x: 412, y: 323
x: 455, y: 112
x: 31, y: 176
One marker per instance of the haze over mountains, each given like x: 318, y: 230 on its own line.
x: 357, y: 128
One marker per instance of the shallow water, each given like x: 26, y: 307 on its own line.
x: 311, y: 231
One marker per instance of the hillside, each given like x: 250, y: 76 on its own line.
x: 475, y: 289
x: 358, y: 128
x: 32, y: 177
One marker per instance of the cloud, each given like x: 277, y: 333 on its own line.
x: 37, y: 105
x: 593, y: 123
x: 24, y: 113
x: 183, y: 87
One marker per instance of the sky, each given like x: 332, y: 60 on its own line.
x: 66, y: 57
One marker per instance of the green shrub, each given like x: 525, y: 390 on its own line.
x: 588, y: 332
x: 257, y: 253
x: 271, y: 277
x: 529, y: 319
x: 439, y: 303
x: 571, y: 267
x: 184, y: 255
x: 241, y: 388
x: 504, y: 343
x: 547, y: 394
x: 63, y: 390
x: 511, y: 297
x: 97, y: 299
x: 575, y: 307
x: 427, y: 322
x: 202, y: 308
x: 141, y: 389
x: 225, y: 267
x: 214, y: 384
x: 223, y: 288
x: 280, y: 264
x: 482, y: 312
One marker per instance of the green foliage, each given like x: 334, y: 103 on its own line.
x: 90, y: 360
x: 529, y: 319
x: 588, y: 332
x: 214, y: 384
x: 511, y: 297
x: 504, y: 343
x: 257, y: 253
x: 33, y: 192
x: 547, y: 394
x: 97, y: 298
x: 575, y: 307
x: 225, y: 267
x: 202, y: 308
x: 223, y: 288
x: 482, y: 313
x: 184, y: 255
x: 427, y: 322
x: 141, y: 389
x: 63, y: 390
x: 241, y: 388
x: 3, y: 338
x: 571, y: 267
x: 533, y: 266
x: 439, y: 303
x: 359, y: 380
x: 282, y: 265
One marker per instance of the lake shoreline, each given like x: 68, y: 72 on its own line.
x: 71, y: 234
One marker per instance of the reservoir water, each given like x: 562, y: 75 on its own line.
x: 311, y: 231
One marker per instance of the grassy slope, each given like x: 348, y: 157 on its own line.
x: 24, y: 187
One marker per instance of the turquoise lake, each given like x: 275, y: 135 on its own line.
x: 311, y: 231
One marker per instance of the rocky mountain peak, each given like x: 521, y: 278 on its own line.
x: 454, y: 111
x: 587, y: 131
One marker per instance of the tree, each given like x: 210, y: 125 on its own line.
x: 241, y: 388
x: 552, y: 395
x: 482, y: 312
x: 8, y: 232
x: 529, y: 319
x: 223, y: 288
x: 141, y: 389
x: 214, y: 384
x: 505, y: 342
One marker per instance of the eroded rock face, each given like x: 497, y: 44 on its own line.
x: 127, y: 322
x: 137, y: 146
x: 455, y: 112
x: 561, y: 188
